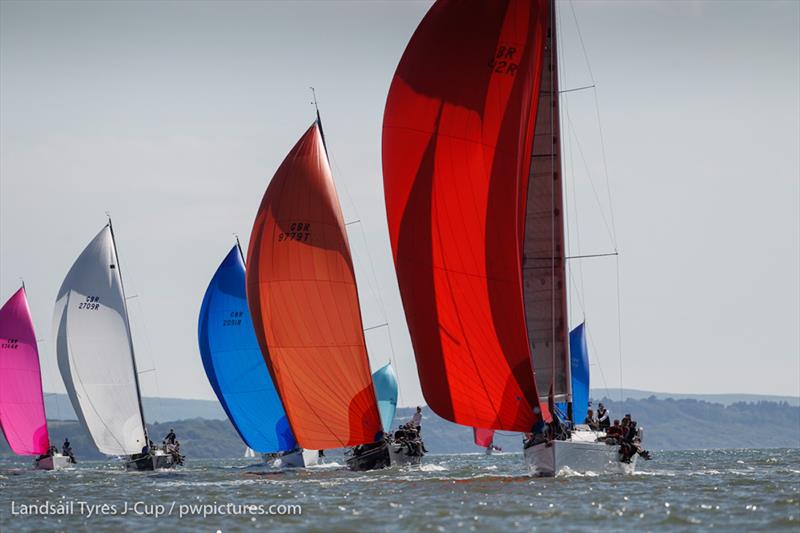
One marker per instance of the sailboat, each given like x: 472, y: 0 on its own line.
x: 301, y: 290
x: 473, y: 190
x: 96, y: 358
x: 485, y: 439
x: 22, y: 414
x: 386, y: 390
x: 237, y: 372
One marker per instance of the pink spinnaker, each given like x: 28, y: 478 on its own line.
x: 22, y: 417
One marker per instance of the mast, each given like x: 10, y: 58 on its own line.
x: 556, y: 126
x: 319, y: 124
x: 543, y: 262
x: 130, y: 336
x: 239, y: 246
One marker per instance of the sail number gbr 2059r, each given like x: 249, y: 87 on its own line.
x: 298, y: 231
x: 92, y: 303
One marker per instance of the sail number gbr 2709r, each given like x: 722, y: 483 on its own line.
x: 298, y: 231
x: 92, y: 303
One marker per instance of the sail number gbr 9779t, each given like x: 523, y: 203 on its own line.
x: 298, y: 231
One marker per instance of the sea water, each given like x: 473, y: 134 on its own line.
x: 697, y: 490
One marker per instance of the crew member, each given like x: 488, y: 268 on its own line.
x: 603, y: 417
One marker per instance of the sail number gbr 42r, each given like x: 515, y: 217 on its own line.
x: 298, y: 231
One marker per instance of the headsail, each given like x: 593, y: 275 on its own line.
x: 543, y: 269
x: 234, y: 364
x: 95, y: 351
x: 385, y: 382
x: 22, y: 416
x: 301, y: 290
x: 483, y: 437
x: 457, y: 136
x: 579, y: 362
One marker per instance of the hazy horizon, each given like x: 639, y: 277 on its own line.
x: 173, y: 116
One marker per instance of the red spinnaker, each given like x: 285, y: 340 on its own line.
x: 457, y: 137
x: 483, y: 437
x: 301, y: 291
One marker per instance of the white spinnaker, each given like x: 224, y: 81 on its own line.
x: 94, y: 351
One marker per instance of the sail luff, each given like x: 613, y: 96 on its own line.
x: 128, y: 327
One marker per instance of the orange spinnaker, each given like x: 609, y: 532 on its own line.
x: 301, y: 291
x: 457, y: 137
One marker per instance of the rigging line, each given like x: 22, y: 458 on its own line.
x: 576, y: 88
x: 562, y: 74
x: 619, y: 330
x: 384, y: 325
x: 567, y: 257
x: 599, y: 123
x: 589, y: 177
x: 149, y: 349
x: 608, y: 192
x: 577, y: 217
x: 597, y: 359
x: 605, y: 167
x: 375, y: 289
x: 580, y: 38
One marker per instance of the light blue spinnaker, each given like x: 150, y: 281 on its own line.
x: 234, y: 364
x: 579, y: 365
x: 385, y: 382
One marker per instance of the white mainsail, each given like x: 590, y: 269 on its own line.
x: 95, y: 351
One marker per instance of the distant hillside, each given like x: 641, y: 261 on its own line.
x: 59, y: 407
x: 668, y: 424
x: 724, y: 399
x: 199, y: 438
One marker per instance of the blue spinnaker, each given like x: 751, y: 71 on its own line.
x: 385, y: 382
x: 579, y: 364
x: 579, y: 368
x: 234, y: 364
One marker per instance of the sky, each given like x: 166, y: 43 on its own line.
x: 173, y: 116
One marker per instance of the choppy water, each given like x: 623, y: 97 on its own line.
x: 719, y: 489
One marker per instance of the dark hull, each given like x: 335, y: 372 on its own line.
x: 373, y: 459
x: 150, y: 462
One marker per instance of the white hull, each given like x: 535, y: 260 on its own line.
x: 295, y: 459
x: 398, y: 456
x: 156, y: 461
x: 551, y: 459
x: 53, y: 462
